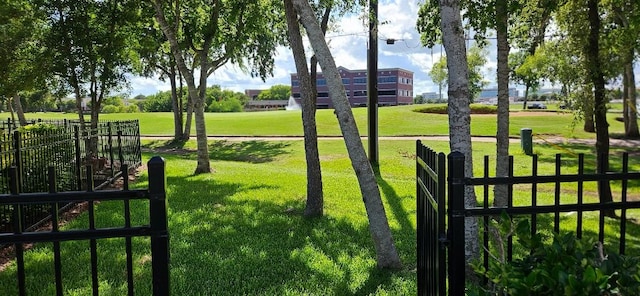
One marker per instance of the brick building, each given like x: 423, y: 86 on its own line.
x: 395, y: 87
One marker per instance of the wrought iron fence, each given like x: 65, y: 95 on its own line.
x: 68, y: 148
x: 155, y: 228
x: 438, y: 244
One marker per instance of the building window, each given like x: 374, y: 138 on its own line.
x: 388, y: 79
x: 321, y: 81
x: 360, y: 80
x: 391, y: 92
x: 360, y: 93
x: 295, y: 95
x: 323, y: 95
x: 346, y: 81
x: 295, y: 83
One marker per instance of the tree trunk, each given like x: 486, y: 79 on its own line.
x: 502, y: 135
x: 459, y: 110
x: 526, y: 97
x: 600, y: 109
x: 18, y: 107
x: 315, y: 196
x: 625, y: 100
x: 204, y: 165
x: 631, y: 125
x: 203, y: 155
x: 386, y: 253
x: 176, y: 106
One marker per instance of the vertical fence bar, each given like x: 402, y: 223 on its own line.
x: 456, y: 215
x: 110, y: 145
x: 14, y: 187
x: 485, y: 219
x: 623, y: 199
x: 556, y: 217
x: 93, y: 246
x: 602, y: 165
x: 57, y: 263
x: 159, y: 229
x: 534, y: 194
x: 580, y: 195
x: 442, y: 259
x: 509, y: 206
x: 420, y: 221
x: 76, y: 134
x: 127, y: 222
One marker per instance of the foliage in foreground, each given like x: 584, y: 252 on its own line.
x: 565, y: 266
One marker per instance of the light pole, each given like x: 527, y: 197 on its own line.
x: 372, y: 82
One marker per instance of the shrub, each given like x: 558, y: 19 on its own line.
x: 110, y: 109
x: 442, y: 109
x: 228, y: 105
x: 564, y: 266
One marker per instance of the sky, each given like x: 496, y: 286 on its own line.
x: 348, y: 44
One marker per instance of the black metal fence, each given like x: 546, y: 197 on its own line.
x: 430, y: 195
x: 67, y: 148
x: 448, y: 243
x: 155, y: 228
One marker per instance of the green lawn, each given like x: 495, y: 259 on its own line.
x: 239, y: 230
x: 393, y: 121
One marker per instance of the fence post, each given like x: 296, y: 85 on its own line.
x: 457, y: 264
x: 76, y: 134
x: 159, y: 232
x: 110, y: 145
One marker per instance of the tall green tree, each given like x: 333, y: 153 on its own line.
x: 276, y: 92
x: 243, y: 32
x: 90, y: 45
x: 21, y: 55
x: 476, y: 59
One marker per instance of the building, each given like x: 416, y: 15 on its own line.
x: 492, y: 93
x: 252, y: 93
x: 395, y: 87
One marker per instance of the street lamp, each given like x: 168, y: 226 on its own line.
x: 372, y: 83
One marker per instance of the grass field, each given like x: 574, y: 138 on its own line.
x: 393, y: 121
x: 239, y: 230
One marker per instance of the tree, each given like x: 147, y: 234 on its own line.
x: 524, y: 70
x: 438, y: 74
x: 315, y: 196
x: 90, y: 45
x: 214, y: 33
x: 596, y: 75
x: 386, y: 253
x: 475, y: 61
x: 276, y: 92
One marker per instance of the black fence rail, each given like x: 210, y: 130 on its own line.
x: 156, y: 229
x: 66, y: 147
x: 438, y: 243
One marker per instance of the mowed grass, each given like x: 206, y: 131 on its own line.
x: 393, y: 121
x: 239, y: 230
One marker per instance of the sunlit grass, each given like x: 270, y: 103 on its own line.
x: 239, y: 230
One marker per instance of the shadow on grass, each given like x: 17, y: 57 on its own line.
x: 226, y: 239
x: 247, y: 151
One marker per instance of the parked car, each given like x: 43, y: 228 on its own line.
x: 536, y: 106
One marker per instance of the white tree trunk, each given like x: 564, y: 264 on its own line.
x: 459, y: 110
x: 387, y: 255
x: 502, y: 135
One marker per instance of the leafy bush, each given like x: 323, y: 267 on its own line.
x: 442, y: 109
x: 110, y: 109
x: 565, y: 266
x: 228, y: 105
x: 160, y: 102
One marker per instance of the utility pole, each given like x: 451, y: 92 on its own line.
x: 372, y: 83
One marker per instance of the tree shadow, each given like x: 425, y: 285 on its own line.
x: 225, y: 239
x: 247, y: 151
